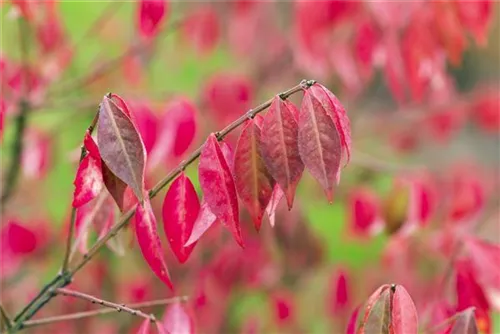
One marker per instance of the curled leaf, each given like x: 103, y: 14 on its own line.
x: 253, y: 182
x: 217, y: 183
x: 88, y: 181
x: 149, y: 241
x: 319, y: 143
x: 121, y: 146
x: 180, y: 210
x: 280, y: 149
x: 203, y: 222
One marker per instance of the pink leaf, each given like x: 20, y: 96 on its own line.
x: 149, y: 241
x: 483, y: 257
x: 88, y: 181
x: 203, y: 222
x: 253, y: 182
x: 353, y: 322
x: 280, y: 149
x: 319, y: 143
x: 404, y: 313
x: 177, y: 321
x: 276, y: 197
x: 217, y: 183
x: 180, y: 209
x: 144, y: 329
x: 364, y: 211
x: 150, y: 15
x: 121, y: 146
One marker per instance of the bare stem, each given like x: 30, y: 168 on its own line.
x: 6, y: 323
x: 87, y: 314
x: 64, y: 266
x: 95, y: 300
x: 47, y: 293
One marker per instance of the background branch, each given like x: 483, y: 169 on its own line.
x: 5, y: 319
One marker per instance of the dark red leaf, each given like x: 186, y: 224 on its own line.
x: 280, y: 149
x: 121, y: 146
x: 253, y: 182
x: 404, y: 313
x: 88, y: 181
x: 203, y: 222
x: 150, y: 15
x: 276, y: 197
x: 217, y: 183
x: 177, y: 321
x: 319, y: 143
x: 149, y: 241
x: 180, y: 210
x: 115, y: 186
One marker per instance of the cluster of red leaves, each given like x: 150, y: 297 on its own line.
x: 266, y: 165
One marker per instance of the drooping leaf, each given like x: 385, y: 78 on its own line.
x: 88, y: 181
x: 319, y: 143
x: 465, y: 323
x: 404, y: 313
x: 280, y: 149
x: 149, y: 241
x: 121, y: 146
x: 180, y: 210
x: 150, y: 16
x: 253, y: 182
x: 218, y: 187
x: 177, y: 321
x: 115, y: 186
x: 276, y: 197
x: 203, y: 222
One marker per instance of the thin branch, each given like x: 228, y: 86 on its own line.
x: 6, y: 323
x: 87, y: 314
x: 95, y: 300
x: 63, y: 279
x: 67, y: 253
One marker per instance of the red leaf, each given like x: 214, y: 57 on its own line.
x: 17, y: 238
x: 476, y: 16
x: 276, y: 197
x: 319, y: 143
x: 180, y: 209
x: 378, y: 317
x: 280, y: 149
x: 483, y: 257
x: 338, y: 301
x: 36, y: 154
x: 353, y: 322
x: 121, y: 146
x: 147, y: 124
x: 201, y: 29
x: 203, y: 222
x: 96, y: 213
x: 404, y: 313
x: 465, y: 323
x: 151, y: 13
x: 88, y: 181
x: 144, y: 329
x: 253, y: 182
x: 364, y: 210
x: 149, y: 241
x: 177, y: 321
x: 217, y: 183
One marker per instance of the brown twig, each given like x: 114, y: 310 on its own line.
x: 6, y: 323
x: 95, y: 300
x: 87, y: 314
x: 67, y: 253
x: 63, y: 278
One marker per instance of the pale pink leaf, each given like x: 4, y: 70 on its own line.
x: 203, y: 222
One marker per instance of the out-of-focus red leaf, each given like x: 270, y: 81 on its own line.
x: 344, y: 62
x: 353, y: 322
x: 201, y: 29
x: 423, y: 199
x: 96, y: 213
x: 36, y: 155
x: 320, y: 145
x: 147, y: 124
x: 88, y: 181
x: 49, y: 31
x: 483, y: 257
x: 443, y: 123
x: 404, y: 313
x: 228, y: 96
x: 364, y: 211
x: 394, y: 71
x: 339, y: 294
x: 465, y: 323
x: 476, y: 16
x: 283, y: 307
x: 180, y: 210
x: 449, y: 31
x: 218, y: 186
x: 145, y: 325
x: 149, y: 241
x: 18, y: 238
x: 280, y: 151
x: 121, y: 146
x: 202, y: 223
x: 150, y: 16
x: 366, y: 44
x: 467, y: 196
x: 485, y: 110
x: 471, y: 294
x: 176, y: 320
x: 252, y: 179
x: 276, y: 197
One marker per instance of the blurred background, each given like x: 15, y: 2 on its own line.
x: 419, y: 81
